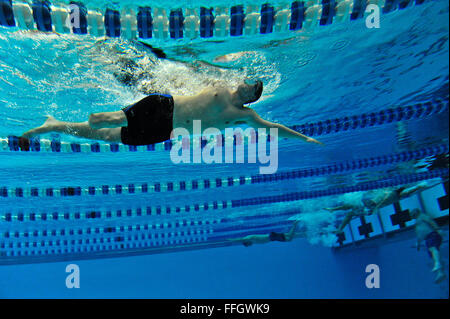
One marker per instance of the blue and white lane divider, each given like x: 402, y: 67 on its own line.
x: 49, y: 249
x: 188, y: 185
x: 6, y: 14
x: 52, y: 230
x: 144, y: 22
x: 174, y: 228
x: 348, y: 123
x: 93, y: 239
x: 387, y: 116
x: 225, y: 204
x: 381, y: 183
x: 57, y: 239
x: 89, y: 240
x: 110, y: 237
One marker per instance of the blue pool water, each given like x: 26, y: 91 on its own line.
x: 365, y: 93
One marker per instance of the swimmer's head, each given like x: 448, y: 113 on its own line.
x: 250, y: 91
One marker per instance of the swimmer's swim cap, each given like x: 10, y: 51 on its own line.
x: 258, y: 85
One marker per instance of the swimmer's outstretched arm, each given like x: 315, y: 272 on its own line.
x: 238, y: 239
x: 249, y: 238
x: 417, y: 188
x: 342, y: 207
x: 257, y: 122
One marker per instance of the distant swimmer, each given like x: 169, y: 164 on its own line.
x: 266, y: 238
x: 427, y: 230
x: 152, y: 119
x: 374, y: 200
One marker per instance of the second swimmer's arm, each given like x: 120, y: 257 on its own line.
x: 386, y: 196
x: 342, y: 207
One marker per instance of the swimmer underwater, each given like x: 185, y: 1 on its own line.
x: 152, y: 119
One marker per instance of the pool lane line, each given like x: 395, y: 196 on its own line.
x: 216, y: 205
x: 365, y: 186
x: 96, y: 239
x: 158, y: 187
x: 178, y: 24
x: 331, y: 126
x: 87, y: 246
x: 22, y: 244
x: 74, y: 249
x: 173, y: 228
x: 164, y: 229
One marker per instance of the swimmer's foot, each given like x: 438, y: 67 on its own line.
x: 440, y: 276
x: 48, y: 126
x: 436, y: 267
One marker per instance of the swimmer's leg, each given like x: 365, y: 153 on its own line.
x: 438, y: 269
x: 108, y: 119
x: 440, y: 276
x: 436, y: 258
x: 344, y: 223
x: 82, y: 129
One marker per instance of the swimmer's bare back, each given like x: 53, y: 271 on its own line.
x: 153, y: 118
x: 222, y: 108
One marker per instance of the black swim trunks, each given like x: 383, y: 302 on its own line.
x: 277, y: 236
x: 149, y: 121
x: 433, y: 239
